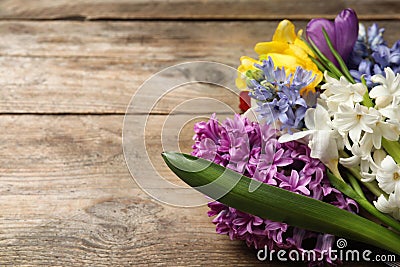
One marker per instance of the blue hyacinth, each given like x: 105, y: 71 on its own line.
x: 278, y: 95
x: 371, y: 55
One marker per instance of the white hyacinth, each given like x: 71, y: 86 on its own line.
x: 388, y: 89
x: 390, y: 206
x: 392, y: 112
x: 353, y: 121
x: 381, y: 129
x: 388, y: 175
x: 341, y: 92
x: 360, y: 158
x: 324, y: 140
x: 340, y: 118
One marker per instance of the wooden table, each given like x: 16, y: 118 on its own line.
x: 68, y: 71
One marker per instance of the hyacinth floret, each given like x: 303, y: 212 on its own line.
x: 285, y: 165
x: 278, y: 94
x: 371, y: 55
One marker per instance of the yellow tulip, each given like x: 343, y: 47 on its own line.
x: 286, y: 50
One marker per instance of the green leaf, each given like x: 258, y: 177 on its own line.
x: 392, y: 148
x: 319, y: 65
x: 361, y: 200
x: 322, y: 66
x: 367, y: 101
x: 276, y: 204
x: 330, y: 66
x: 339, y: 59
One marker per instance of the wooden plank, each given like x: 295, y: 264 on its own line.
x: 67, y: 199
x: 146, y: 42
x: 194, y: 9
x: 90, y: 85
x: 123, y: 232
x: 95, y: 67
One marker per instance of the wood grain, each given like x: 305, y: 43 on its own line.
x: 67, y: 199
x: 96, y: 67
x: 193, y: 9
x: 68, y: 72
x: 125, y: 232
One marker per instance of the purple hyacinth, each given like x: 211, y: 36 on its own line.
x: 371, y: 55
x: 278, y: 95
x: 342, y: 32
x: 288, y: 166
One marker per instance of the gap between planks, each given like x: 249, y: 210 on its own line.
x: 305, y: 18
x: 102, y: 114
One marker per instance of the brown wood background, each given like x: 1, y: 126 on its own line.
x: 68, y: 70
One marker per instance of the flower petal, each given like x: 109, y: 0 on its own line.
x: 295, y: 136
x: 324, y: 146
x: 346, y: 31
x: 285, y: 32
x: 270, y: 47
x: 314, y: 32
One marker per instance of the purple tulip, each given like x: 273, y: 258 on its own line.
x: 342, y: 32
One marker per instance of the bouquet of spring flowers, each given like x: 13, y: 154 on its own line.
x: 317, y: 155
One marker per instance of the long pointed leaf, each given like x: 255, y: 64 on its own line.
x: 362, y: 201
x: 278, y: 204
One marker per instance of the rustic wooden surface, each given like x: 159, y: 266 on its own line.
x: 193, y: 9
x: 66, y: 195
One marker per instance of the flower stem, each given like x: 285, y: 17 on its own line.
x: 320, y: 66
x: 372, y: 186
x: 367, y: 101
x: 361, y: 200
x: 389, y: 221
x: 325, y: 60
x: 339, y: 59
x: 354, y: 183
x: 392, y: 148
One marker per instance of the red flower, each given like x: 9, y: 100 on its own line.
x: 244, y: 101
